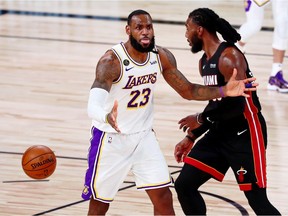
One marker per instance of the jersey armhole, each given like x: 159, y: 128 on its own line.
x: 121, y: 67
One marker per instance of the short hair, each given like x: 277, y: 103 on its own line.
x: 136, y: 12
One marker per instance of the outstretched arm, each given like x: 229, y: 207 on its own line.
x: 107, y: 70
x: 192, y: 91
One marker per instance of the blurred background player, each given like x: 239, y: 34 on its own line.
x: 254, y: 21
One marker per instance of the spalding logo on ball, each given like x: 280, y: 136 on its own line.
x: 39, y: 162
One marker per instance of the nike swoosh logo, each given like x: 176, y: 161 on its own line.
x: 127, y: 69
x: 241, y: 132
x: 208, y: 119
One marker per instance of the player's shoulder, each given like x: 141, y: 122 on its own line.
x: 231, y: 52
x: 164, y: 53
x: 230, y: 58
x: 167, y: 58
x: 108, y: 66
x: 109, y: 57
x: 162, y: 50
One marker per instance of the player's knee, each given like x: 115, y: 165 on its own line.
x: 160, y: 196
x: 97, y: 208
x: 167, y: 196
x: 180, y: 186
x: 162, y: 201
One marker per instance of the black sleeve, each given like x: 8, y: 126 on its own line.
x: 225, y: 109
x: 202, y: 129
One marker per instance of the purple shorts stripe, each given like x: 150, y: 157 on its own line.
x: 155, y: 186
x: 95, y: 144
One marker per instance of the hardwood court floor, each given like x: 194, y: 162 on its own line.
x: 47, y: 64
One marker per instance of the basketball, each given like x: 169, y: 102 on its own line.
x: 39, y: 162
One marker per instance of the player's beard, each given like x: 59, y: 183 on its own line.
x: 139, y: 47
x: 197, y: 44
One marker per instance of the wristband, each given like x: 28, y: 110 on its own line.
x: 248, y: 85
x: 190, y: 138
x: 221, y: 91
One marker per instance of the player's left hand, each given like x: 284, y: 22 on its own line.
x: 182, y: 149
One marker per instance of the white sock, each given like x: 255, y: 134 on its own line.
x: 276, y: 67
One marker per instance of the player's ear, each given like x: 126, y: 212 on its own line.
x: 127, y: 29
x: 200, y: 30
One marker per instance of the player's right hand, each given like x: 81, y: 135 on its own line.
x: 238, y: 87
x: 188, y: 123
x: 112, y: 117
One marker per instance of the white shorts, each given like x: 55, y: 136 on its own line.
x: 112, y: 156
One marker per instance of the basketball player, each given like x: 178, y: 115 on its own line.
x: 253, y: 24
x: 237, y: 135
x: 121, y: 107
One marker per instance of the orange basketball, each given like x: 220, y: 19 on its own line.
x: 39, y: 162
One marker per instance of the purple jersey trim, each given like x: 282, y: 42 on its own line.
x: 247, y: 5
x: 93, y: 153
x: 155, y: 186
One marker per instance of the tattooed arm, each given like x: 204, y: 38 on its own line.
x: 192, y: 91
x: 107, y: 70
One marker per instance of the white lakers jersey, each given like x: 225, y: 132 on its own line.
x: 134, y: 91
